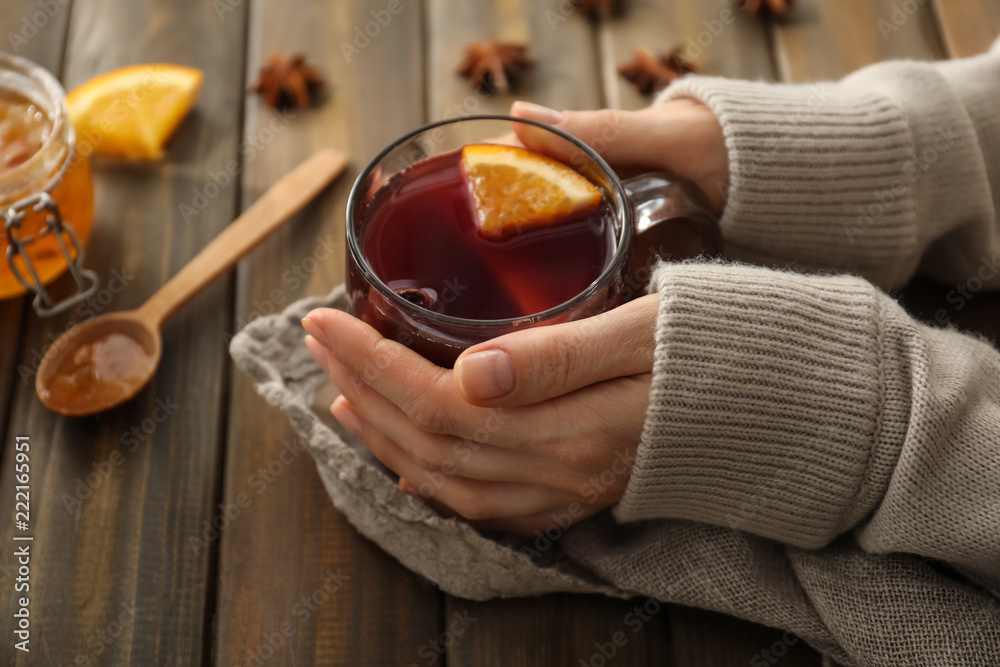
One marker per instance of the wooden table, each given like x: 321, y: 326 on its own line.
x: 126, y: 568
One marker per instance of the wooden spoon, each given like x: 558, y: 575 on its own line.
x: 104, y: 362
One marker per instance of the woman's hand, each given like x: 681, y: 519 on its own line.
x: 537, y: 428
x: 682, y: 136
x: 534, y: 429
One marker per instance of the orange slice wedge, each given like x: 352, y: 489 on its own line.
x: 516, y: 190
x: 131, y: 112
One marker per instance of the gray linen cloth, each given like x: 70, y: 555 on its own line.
x: 447, y: 552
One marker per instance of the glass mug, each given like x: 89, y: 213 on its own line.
x: 654, y: 216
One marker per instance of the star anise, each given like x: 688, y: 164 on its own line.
x: 491, y: 65
x: 773, y: 7
x: 651, y: 74
x: 287, y: 82
x: 600, y: 9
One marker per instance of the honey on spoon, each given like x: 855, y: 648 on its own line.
x: 104, y: 362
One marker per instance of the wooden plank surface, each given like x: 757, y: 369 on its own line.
x: 708, y: 639
x: 40, y: 39
x: 560, y: 42
x: 116, y: 497
x: 557, y: 630
x: 968, y: 27
x: 289, y: 543
x: 44, y: 45
x: 827, y: 40
x: 713, y: 34
x: 118, y: 574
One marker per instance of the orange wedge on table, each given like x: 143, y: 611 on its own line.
x: 131, y: 112
x: 515, y: 190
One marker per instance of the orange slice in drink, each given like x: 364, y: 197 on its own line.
x: 131, y: 112
x: 517, y: 190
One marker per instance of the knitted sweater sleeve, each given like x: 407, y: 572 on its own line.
x: 798, y: 407
x: 892, y: 170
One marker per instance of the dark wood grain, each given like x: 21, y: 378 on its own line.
x: 124, y: 569
x: 713, y: 34
x: 968, y: 27
x: 43, y: 45
x: 290, y: 543
x: 558, y: 630
x: 560, y: 42
x: 113, y: 577
x: 40, y: 39
x: 11, y: 314
x: 827, y: 40
x: 707, y: 639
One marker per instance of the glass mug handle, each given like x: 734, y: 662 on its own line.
x: 672, y: 221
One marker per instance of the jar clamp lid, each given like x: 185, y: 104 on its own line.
x: 87, y: 281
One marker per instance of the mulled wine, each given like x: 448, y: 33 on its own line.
x: 421, y: 239
x: 418, y: 234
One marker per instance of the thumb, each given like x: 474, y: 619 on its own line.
x: 538, y: 364
x: 623, y: 138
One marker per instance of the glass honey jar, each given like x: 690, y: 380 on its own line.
x: 46, y: 189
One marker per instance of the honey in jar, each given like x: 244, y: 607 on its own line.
x: 37, y: 155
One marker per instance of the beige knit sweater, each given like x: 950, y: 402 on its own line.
x: 810, y: 410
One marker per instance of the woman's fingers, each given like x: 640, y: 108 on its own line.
x: 448, y: 455
x: 473, y: 500
x: 620, y: 137
x: 542, y: 363
x: 682, y: 136
x: 425, y: 393
x: 578, y: 432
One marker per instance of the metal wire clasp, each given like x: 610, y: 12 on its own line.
x: 13, y: 218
